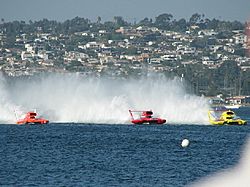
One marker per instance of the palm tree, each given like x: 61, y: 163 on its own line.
x: 99, y: 20
x: 116, y: 19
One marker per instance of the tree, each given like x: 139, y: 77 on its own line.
x: 199, y: 43
x: 109, y: 25
x: 213, y: 24
x: 179, y: 25
x: 246, y: 87
x: 58, y: 63
x: 146, y: 22
x: 10, y: 42
x: 195, y: 18
x: 47, y: 47
x: 236, y: 25
x: 163, y: 21
x: 70, y: 48
x: 99, y: 20
x: 227, y: 73
x: 241, y: 52
x: 119, y: 21
x: 130, y: 50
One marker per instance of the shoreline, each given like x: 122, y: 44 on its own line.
x: 243, y: 105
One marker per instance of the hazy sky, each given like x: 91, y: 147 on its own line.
x: 130, y: 10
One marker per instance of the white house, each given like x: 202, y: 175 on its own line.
x: 240, y: 38
x: 156, y: 60
x: 170, y: 57
x: 185, y: 49
x: 26, y: 55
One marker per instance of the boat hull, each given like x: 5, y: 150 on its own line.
x: 146, y: 118
x: 39, y: 122
x: 31, y: 119
x: 149, y: 121
x: 229, y: 122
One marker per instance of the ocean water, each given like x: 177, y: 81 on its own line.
x: 95, y: 154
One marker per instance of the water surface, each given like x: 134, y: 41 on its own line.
x: 77, y: 154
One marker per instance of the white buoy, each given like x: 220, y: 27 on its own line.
x: 185, y: 143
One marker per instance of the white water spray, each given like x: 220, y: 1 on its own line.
x: 70, y: 98
x: 6, y: 105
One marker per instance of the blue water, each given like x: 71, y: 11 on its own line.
x: 117, y: 155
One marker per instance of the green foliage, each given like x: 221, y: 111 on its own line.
x: 119, y: 21
x: 240, y: 52
x: 146, y: 22
x: 180, y: 25
x: 246, y: 87
x: 9, y: 42
x: 229, y: 68
x: 76, y: 63
x: 91, y: 53
x: 109, y: 25
x: 195, y: 19
x: 199, y: 43
x: 236, y: 25
x: 69, y: 48
x: 223, y: 35
x: 131, y: 50
x: 163, y: 21
x: 58, y: 63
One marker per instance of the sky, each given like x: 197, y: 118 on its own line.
x: 130, y: 10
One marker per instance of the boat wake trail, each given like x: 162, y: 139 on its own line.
x: 72, y: 98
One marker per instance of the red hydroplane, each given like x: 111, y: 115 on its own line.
x: 146, y: 117
x: 30, y: 119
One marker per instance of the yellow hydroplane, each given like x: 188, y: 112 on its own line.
x: 227, y: 118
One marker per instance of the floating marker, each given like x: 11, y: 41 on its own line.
x: 185, y: 143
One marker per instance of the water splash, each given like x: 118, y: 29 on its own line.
x: 6, y: 104
x: 71, y: 98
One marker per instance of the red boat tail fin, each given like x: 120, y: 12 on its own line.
x: 15, y: 112
x: 132, y: 117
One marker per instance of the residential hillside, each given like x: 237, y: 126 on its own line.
x: 211, y: 55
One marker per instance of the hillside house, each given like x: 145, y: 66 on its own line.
x: 74, y: 55
x: 170, y: 57
x: 155, y: 60
x: 208, y: 32
x: 185, y: 50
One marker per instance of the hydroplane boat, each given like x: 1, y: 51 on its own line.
x: 31, y: 119
x: 224, y: 117
x: 146, y: 117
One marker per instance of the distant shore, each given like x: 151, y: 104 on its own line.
x: 223, y: 105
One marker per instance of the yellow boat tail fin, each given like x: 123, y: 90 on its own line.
x: 209, y: 116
